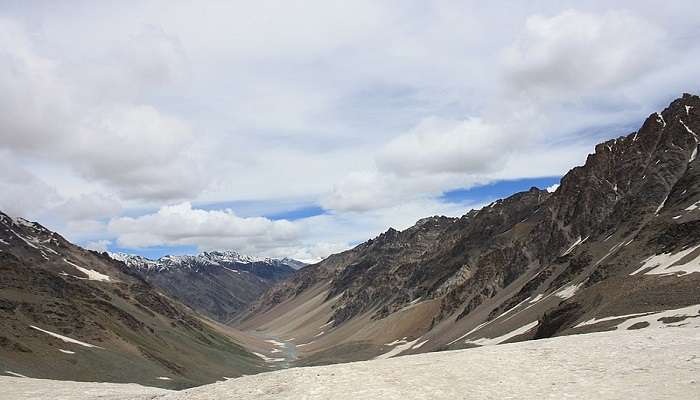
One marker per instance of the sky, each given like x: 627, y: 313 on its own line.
x: 301, y: 128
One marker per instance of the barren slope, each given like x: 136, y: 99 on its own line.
x: 68, y: 313
x: 619, y: 236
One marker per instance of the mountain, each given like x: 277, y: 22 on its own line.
x: 616, y: 246
x: 218, y: 284
x: 651, y: 364
x: 296, y: 264
x: 72, y: 314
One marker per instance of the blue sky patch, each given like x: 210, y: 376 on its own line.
x: 496, y: 190
x: 299, y: 213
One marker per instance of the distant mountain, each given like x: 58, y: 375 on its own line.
x: 616, y: 246
x: 72, y: 314
x: 296, y: 264
x: 219, y: 284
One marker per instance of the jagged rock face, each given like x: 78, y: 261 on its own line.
x: 128, y: 330
x: 219, y: 284
x: 438, y: 257
x: 637, y: 196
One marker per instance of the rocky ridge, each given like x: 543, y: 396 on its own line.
x: 546, y: 260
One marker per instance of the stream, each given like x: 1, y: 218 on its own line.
x: 288, y: 349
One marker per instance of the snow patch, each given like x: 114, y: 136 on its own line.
x: 65, y: 338
x: 660, y: 119
x: 25, y: 240
x: 66, y: 351
x: 16, y: 374
x: 670, y: 264
x: 568, y: 292
x: 164, y: 378
x: 663, y: 203
x: 510, y: 310
x: 503, y: 338
x: 610, y: 252
x: 689, y: 130
x: 594, y: 321
x: 64, y: 273
x: 399, y: 341
x: 327, y: 324
x: 693, y: 206
x: 35, y: 243
x: 397, y: 350
x: 573, y: 246
x: 22, y: 222
x: 90, y: 273
x: 419, y: 345
x: 655, y: 319
x: 476, y: 328
x: 537, y: 298
x: 268, y: 359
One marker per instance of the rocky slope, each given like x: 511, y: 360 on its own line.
x: 69, y: 313
x: 218, y: 284
x: 620, y: 236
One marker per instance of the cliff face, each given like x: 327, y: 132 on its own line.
x: 549, y: 259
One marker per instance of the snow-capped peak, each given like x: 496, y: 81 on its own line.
x: 219, y: 258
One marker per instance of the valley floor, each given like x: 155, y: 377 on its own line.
x: 662, y: 363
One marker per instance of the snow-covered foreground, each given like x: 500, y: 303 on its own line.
x: 654, y: 363
x: 44, y: 389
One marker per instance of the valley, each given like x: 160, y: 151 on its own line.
x: 609, y: 256
x: 316, y: 200
x: 618, y: 237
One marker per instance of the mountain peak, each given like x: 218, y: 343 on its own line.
x: 220, y: 258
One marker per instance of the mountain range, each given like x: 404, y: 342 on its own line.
x: 218, y: 284
x: 73, y: 314
x: 615, y: 247
x: 617, y: 240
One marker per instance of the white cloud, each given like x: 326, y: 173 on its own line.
x: 98, y: 245
x: 444, y: 146
x: 22, y: 193
x: 576, y: 51
x: 526, y: 131
x: 88, y: 206
x: 362, y: 191
x: 47, y: 115
x: 181, y: 224
x: 308, y: 239
x: 371, y: 109
x: 140, y: 151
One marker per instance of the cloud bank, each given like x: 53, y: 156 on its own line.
x: 139, y: 133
